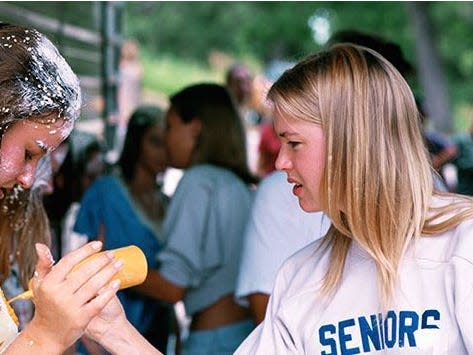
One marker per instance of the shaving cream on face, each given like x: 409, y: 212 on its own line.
x: 23, y: 145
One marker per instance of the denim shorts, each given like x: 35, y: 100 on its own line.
x: 219, y: 341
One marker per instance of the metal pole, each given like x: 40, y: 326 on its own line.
x: 108, y: 78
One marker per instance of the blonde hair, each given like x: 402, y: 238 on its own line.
x: 377, y: 184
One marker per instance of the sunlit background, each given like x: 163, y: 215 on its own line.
x: 185, y: 42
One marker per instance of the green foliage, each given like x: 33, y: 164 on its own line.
x: 453, y: 25
x: 168, y: 73
x: 266, y: 30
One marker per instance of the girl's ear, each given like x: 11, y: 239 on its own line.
x: 196, y: 127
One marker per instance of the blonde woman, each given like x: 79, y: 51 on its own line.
x: 395, y: 271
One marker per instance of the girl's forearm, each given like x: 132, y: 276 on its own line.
x: 127, y: 340
x: 33, y: 341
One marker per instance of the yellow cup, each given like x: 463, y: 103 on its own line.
x: 132, y: 273
x: 134, y: 269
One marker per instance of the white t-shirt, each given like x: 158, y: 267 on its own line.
x: 431, y: 311
x: 277, y: 228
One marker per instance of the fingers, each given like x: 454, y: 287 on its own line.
x: 105, y: 295
x: 73, y: 293
x: 98, y: 281
x: 45, y: 260
x: 43, y: 266
x: 86, y: 269
x: 66, y: 264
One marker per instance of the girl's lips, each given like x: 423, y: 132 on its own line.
x: 297, y: 189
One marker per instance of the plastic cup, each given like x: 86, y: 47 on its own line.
x: 134, y: 269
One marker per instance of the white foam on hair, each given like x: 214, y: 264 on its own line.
x: 50, y: 84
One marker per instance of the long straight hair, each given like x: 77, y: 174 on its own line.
x: 222, y: 139
x: 141, y: 121
x: 377, y: 185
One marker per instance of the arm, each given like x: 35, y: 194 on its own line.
x: 112, y: 330
x: 157, y: 287
x: 274, y: 335
x: 444, y: 156
x: 125, y: 339
x: 258, y: 303
x: 447, y: 150
x: 35, y: 339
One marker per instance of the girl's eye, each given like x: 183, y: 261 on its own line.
x: 293, y: 144
x: 28, y: 155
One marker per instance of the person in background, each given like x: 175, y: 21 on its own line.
x: 268, y: 145
x: 268, y: 149
x: 129, y: 91
x: 128, y: 207
x: 90, y: 165
x: 441, y: 148
x: 398, y: 252
x: 206, y: 219
x: 40, y: 100
x: 65, y: 189
x: 463, y: 161
x: 239, y: 82
x: 277, y: 228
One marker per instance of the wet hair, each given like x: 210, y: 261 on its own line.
x: 36, y: 84
x: 377, y: 185
x: 141, y: 120
x: 222, y: 138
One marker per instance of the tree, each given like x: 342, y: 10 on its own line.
x: 267, y: 30
x: 437, y: 103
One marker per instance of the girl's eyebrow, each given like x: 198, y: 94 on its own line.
x: 286, y: 134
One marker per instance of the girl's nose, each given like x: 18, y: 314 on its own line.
x: 26, y: 178
x: 282, y: 161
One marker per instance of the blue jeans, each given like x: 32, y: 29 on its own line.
x: 219, y: 341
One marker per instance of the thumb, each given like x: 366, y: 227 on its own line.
x: 45, y: 260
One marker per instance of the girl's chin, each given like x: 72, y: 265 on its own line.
x: 309, y: 207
